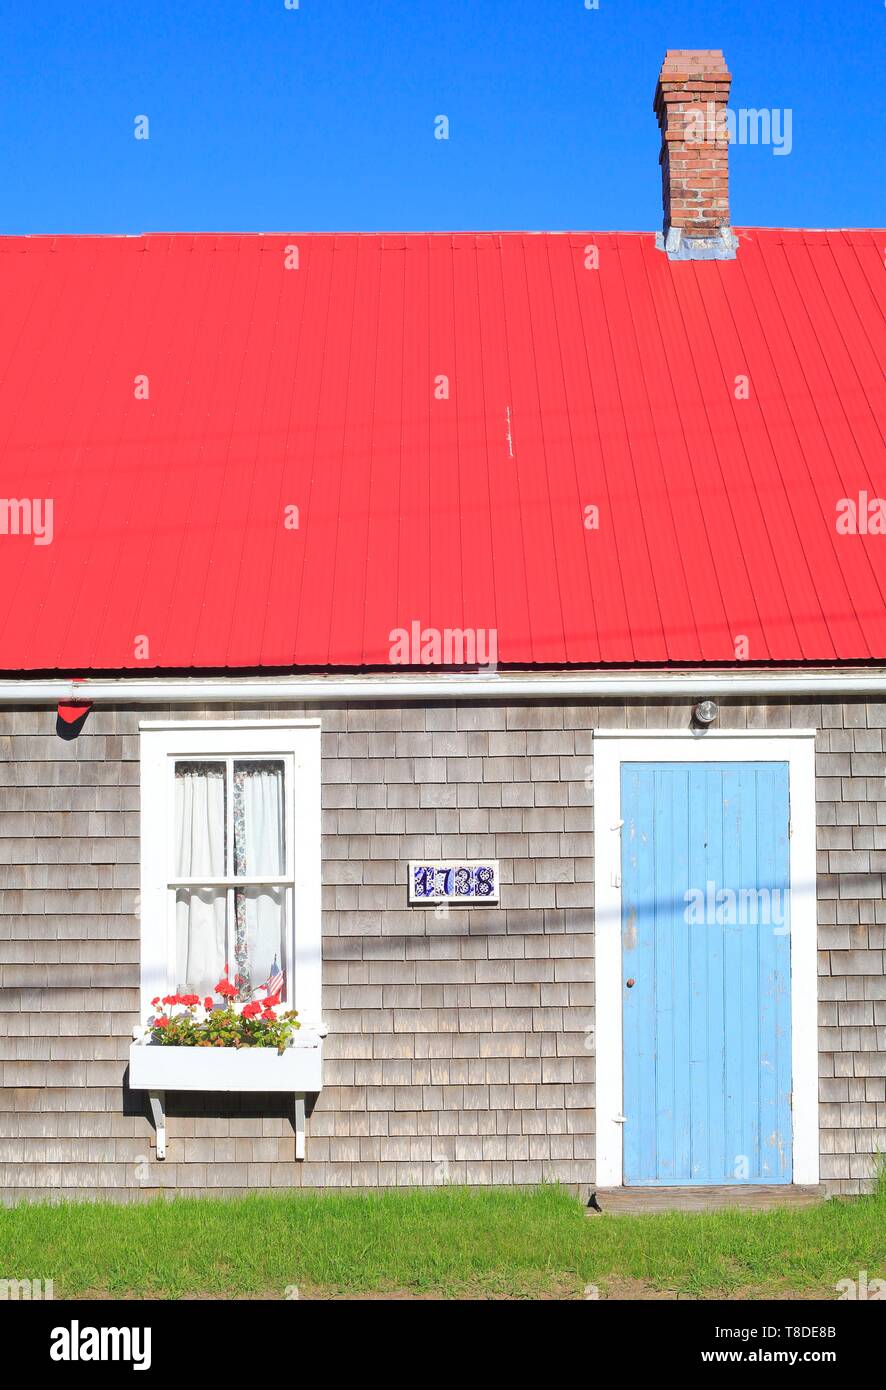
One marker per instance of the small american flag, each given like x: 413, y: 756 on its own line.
x: 275, y: 980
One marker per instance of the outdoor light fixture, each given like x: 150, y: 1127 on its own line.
x: 706, y: 712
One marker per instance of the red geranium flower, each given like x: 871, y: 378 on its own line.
x: 155, y: 1002
x: 269, y: 1016
x: 207, y: 1003
x: 226, y: 989
x: 162, y: 1022
x: 251, y: 1010
x: 271, y: 1000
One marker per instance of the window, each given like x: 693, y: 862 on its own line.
x: 233, y: 874
x: 231, y: 859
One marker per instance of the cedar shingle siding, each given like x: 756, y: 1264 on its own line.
x: 457, y: 1048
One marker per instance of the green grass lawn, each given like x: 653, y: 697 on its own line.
x: 446, y: 1241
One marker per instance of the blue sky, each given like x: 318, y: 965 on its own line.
x: 322, y: 117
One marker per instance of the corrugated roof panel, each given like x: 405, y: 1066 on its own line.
x: 803, y: 395
x: 444, y: 412
x: 732, y: 452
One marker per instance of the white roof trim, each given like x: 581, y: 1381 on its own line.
x: 830, y: 683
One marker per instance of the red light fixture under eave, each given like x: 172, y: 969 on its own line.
x: 70, y: 711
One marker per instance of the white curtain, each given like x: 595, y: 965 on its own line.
x: 199, y: 849
x: 259, y: 851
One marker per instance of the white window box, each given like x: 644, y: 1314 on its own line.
x: 158, y: 1068
x: 155, y: 1066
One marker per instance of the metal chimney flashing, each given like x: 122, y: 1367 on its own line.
x: 679, y: 247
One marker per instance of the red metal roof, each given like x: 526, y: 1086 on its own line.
x: 314, y: 388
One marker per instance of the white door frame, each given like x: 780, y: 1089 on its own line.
x: 796, y: 747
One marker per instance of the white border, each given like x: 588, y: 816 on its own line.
x: 438, y: 684
x: 298, y: 739
x: 796, y: 747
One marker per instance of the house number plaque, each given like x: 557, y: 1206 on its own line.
x: 456, y: 882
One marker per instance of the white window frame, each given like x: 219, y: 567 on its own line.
x: 297, y: 744
x: 796, y: 747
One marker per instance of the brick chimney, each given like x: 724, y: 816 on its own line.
x: 690, y: 102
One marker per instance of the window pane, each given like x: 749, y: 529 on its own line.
x: 258, y: 948
x: 199, y: 820
x: 200, y: 939
x: 259, y: 845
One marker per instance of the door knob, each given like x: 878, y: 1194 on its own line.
x: 630, y: 983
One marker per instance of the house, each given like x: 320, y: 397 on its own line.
x: 488, y: 634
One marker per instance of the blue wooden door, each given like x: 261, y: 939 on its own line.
x: 706, y: 966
